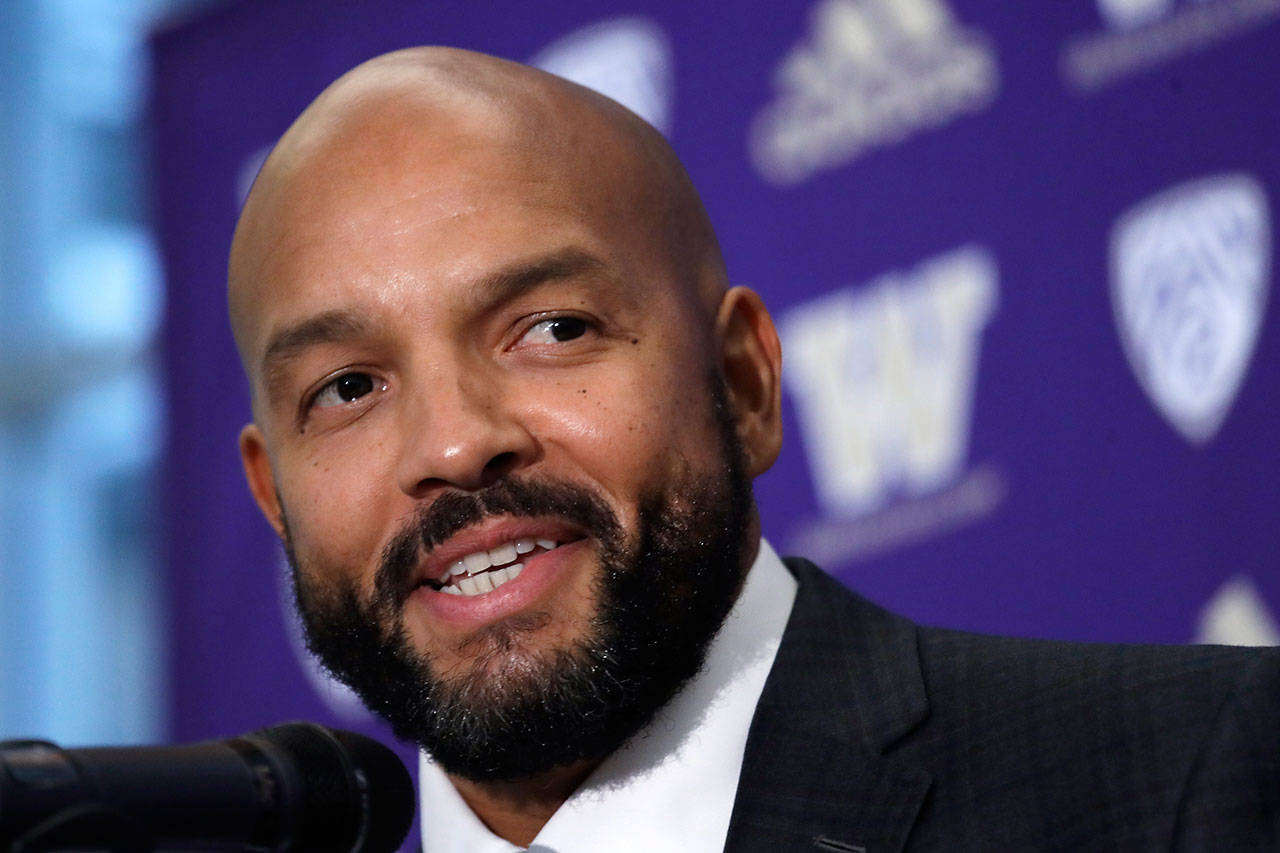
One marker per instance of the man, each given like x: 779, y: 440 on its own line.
x: 506, y: 414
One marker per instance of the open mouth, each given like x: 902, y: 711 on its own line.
x: 485, y: 571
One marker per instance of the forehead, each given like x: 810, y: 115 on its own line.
x: 426, y: 205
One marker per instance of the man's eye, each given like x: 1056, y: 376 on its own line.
x: 556, y: 330
x: 346, y: 388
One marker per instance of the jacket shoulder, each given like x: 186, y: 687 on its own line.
x: 1057, y: 744
x: 1159, y: 745
x: 1051, y: 675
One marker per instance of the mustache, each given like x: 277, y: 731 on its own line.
x: 455, y: 511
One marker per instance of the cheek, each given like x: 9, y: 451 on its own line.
x: 630, y: 431
x: 336, y: 516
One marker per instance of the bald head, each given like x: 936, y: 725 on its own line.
x: 475, y: 298
x: 432, y: 123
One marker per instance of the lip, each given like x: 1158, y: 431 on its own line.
x: 541, y: 575
x: 488, y: 535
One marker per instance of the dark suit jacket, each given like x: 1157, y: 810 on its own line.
x: 875, y: 734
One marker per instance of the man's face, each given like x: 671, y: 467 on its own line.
x: 463, y: 358
x: 517, y: 709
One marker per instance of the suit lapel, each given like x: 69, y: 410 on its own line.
x: 818, y: 772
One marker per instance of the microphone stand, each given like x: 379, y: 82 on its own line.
x: 39, y: 766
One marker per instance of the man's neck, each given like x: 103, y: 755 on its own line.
x: 517, y: 810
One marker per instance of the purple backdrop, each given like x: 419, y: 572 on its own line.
x: 1020, y: 260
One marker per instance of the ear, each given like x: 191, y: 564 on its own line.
x: 751, y: 358
x: 257, y: 470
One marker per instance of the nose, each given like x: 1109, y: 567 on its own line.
x: 460, y: 434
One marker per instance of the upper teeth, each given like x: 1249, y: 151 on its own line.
x: 472, y: 576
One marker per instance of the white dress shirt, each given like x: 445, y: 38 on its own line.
x: 672, y: 786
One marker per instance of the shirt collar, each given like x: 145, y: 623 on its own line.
x: 677, y: 778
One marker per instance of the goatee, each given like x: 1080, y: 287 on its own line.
x: 662, y: 594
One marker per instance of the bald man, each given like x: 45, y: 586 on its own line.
x: 506, y: 414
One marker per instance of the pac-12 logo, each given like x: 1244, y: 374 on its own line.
x: 1140, y: 34
x: 883, y: 377
x: 629, y: 59
x: 1128, y: 14
x: 1190, y: 269
x: 1238, y: 615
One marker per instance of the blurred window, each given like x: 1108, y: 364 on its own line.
x: 82, y: 602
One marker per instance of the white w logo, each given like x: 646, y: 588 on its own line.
x: 883, y: 377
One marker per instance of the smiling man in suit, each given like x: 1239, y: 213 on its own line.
x: 507, y: 412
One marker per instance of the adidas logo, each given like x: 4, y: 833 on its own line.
x: 872, y: 73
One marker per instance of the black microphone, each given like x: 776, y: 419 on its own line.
x: 291, y: 787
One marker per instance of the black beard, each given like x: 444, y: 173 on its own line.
x: 661, y: 597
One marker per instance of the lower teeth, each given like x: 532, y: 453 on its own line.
x: 487, y: 581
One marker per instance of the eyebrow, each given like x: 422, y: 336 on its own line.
x: 324, y: 328
x: 492, y: 289
x: 522, y: 276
